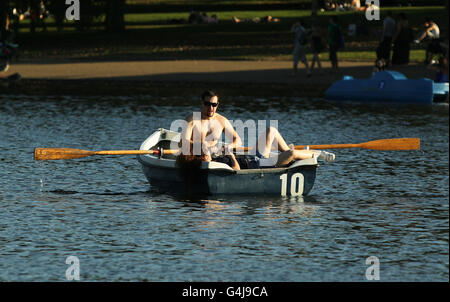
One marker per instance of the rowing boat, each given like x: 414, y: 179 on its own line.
x: 219, y: 178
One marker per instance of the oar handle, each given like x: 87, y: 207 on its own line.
x: 127, y: 152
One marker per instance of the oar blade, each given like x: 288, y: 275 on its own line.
x: 393, y: 144
x: 60, y: 153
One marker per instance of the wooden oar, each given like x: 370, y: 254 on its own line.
x: 391, y: 144
x: 69, y: 153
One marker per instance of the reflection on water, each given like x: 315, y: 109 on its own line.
x: 392, y: 205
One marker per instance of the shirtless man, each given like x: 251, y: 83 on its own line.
x: 202, y: 135
x: 205, y: 131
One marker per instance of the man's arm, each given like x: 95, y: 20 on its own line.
x: 186, y: 136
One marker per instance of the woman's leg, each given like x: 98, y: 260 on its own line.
x: 317, y: 59
x: 272, y: 140
x: 286, y: 157
x: 295, y: 60
x: 313, y: 62
x: 333, y: 57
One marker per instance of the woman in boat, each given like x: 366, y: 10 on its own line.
x: 263, y: 156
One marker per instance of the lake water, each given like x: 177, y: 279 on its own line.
x: 100, y: 209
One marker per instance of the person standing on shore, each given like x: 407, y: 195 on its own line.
x: 316, y: 46
x: 300, y: 43
x: 384, y: 49
x: 402, y: 41
x: 334, y: 41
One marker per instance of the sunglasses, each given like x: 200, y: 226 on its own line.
x: 206, y: 103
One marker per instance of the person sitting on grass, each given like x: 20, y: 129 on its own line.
x: 212, y: 19
x: 266, y: 19
x: 431, y: 33
x: 356, y: 6
x: 200, y: 18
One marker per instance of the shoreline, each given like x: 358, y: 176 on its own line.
x: 183, y: 77
x: 93, y: 87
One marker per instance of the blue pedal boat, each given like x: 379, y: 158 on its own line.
x: 388, y: 87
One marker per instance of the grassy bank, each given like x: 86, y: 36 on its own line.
x: 161, y: 35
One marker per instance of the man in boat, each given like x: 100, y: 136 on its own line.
x: 200, y: 140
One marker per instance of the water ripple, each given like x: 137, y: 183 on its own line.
x: 393, y: 205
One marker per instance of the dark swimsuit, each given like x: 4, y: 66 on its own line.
x: 245, y: 161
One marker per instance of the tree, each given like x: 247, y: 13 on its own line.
x: 58, y: 9
x: 446, y: 8
x: 314, y: 8
x: 114, y: 17
x: 3, y: 14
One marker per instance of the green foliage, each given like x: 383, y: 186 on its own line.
x: 163, y: 35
